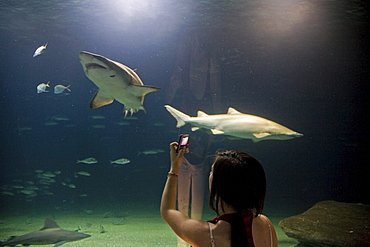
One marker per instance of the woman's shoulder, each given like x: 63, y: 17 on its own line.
x: 263, y: 231
x: 262, y: 219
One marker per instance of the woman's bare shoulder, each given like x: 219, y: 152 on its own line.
x: 263, y: 231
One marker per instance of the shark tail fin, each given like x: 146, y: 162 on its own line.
x: 178, y: 115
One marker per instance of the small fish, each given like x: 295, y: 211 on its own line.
x: 18, y: 186
x: 158, y: 124
x: 123, y: 123
x: 41, y: 88
x: 122, y: 161
x: 49, y: 175
x: 44, y: 181
x: 99, y: 126
x: 27, y: 192
x: 60, y: 118
x: 102, y: 230
x: 24, y: 128
x: 151, y: 151
x: 83, y: 227
x: 32, y: 187
x: 119, y: 221
x: 48, y: 193
x: 60, y: 89
x: 83, y: 173
x: 88, y: 161
x: 72, y: 186
x: 40, y: 50
x: 97, y: 117
x: 51, y: 123
x: 7, y: 193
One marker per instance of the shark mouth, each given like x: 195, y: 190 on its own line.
x: 94, y: 66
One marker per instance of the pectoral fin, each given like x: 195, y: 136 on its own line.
x: 141, y: 90
x: 100, y: 99
x: 194, y: 128
x: 261, y: 135
x: 217, y: 132
x: 60, y: 243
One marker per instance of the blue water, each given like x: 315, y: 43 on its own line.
x: 303, y: 64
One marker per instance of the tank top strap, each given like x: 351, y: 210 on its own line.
x: 247, y: 219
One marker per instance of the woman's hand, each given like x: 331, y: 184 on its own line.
x: 176, y: 158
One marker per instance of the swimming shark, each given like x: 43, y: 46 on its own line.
x: 115, y: 81
x: 236, y: 124
x: 51, y: 233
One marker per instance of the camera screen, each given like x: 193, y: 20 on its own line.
x: 184, y: 141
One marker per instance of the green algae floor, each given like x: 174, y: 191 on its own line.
x: 136, y: 228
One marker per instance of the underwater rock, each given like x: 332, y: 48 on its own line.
x: 330, y: 223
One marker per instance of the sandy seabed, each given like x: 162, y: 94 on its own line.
x: 137, y: 228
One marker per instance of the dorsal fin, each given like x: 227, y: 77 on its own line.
x: 233, y: 111
x: 50, y: 223
x: 202, y: 114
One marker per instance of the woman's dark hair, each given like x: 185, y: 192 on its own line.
x: 239, y: 180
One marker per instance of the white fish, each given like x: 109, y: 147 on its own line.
x: 115, y: 81
x: 72, y: 186
x: 235, y: 123
x: 41, y: 88
x: 89, y: 161
x: 97, y: 117
x: 40, y: 50
x: 151, y: 151
x: 122, y: 161
x: 60, y: 89
x: 83, y: 173
x: 27, y: 192
x: 49, y: 175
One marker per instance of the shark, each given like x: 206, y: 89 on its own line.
x: 236, y: 124
x: 115, y: 82
x: 51, y: 233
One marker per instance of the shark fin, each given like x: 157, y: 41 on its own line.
x: 194, y: 128
x: 202, y: 114
x: 217, y: 132
x: 100, y: 99
x: 141, y: 90
x: 60, y: 243
x: 233, y: 111
x: 261, y: 135
x: 178, y: 115
x: 49, y: 223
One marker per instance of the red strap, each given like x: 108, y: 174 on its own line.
x: 247, y: 218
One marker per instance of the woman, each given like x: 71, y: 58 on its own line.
x: 238, y: 187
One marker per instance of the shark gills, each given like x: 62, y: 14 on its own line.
x: 235, y: 123
x: 115, y: 82
x: 51, y: 233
